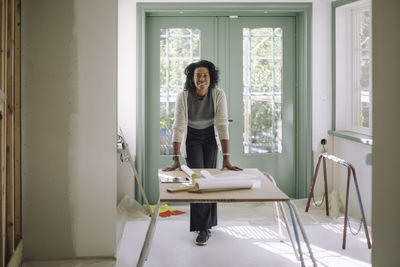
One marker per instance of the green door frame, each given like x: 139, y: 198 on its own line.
x: 303, y: 105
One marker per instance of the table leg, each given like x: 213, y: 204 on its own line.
x: 361, y: 207
x: 278, y: 221
x: 284, y: 217
x: 288, y: 230
x: 296, y: 234
x: 303, y: 232
x: 149, y: 236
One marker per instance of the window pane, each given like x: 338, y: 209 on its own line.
x: 178, y: 48
x: 262, y: 79
x: 364, y: 110
x: 365, y: 29
x: 364, y: 68
x: 364, y: 72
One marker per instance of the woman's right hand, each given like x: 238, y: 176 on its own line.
x: 174, y: 166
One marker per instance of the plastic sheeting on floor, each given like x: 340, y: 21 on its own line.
x: 246, y: 235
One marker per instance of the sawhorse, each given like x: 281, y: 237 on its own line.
x: 350, y: 170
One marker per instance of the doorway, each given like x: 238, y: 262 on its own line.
x: 258, y: 64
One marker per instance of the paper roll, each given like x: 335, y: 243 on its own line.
x: 215, y: 185
x: 189, y: 171
x: 206, y: 174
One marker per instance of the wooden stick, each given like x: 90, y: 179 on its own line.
x: 10, y: 131
x: 3, y: 140
x: 3, y: 69
x: 17, y: 114
x: 326, y: 187
x: 147, y: 207
x: 346, y: 209
x: 313, y: 184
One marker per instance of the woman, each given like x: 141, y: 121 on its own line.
x: 201, y: 129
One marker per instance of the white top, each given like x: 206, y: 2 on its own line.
x: 181, y: 118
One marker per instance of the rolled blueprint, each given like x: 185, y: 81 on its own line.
x: 189, y: 171
x: 206, y: 174
x: 206, y: 185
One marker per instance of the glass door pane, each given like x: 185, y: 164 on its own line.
x: 262, y: 96
x: 262, y: 83
x: 178, y: 48
x: 171, y: 44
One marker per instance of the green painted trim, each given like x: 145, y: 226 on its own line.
x: 302, y: 12
x: 335, y: 4
x: 220, y: 14
x: 368, y: 159
x: 342, y: 3
x: 140, y: 99
x: 221, y: 9
x: 352, y: 136
x: 304, y: 155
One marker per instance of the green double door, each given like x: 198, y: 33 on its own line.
x: 256, y: 61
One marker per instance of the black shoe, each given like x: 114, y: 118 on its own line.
x: 202, y: 238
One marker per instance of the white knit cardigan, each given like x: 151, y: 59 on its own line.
x: 181, y: 118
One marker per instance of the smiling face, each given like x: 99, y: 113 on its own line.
x: 201, y: 79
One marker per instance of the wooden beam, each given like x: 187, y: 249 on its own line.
x: 17, y: 122
x: 10, y: 132
x: 16, y: 259
x: 2, y: 137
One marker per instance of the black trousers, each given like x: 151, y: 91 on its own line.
x: 201, y: 150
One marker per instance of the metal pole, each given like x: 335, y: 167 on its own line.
x: 326, y: 187
x: 296, y: 234
x: 284, y: 217
x: 346, y: 208
x: 313, y: 183
x: 303, y: 233
x: 149, y: 236
x: 278, y: 220
x: 361, y: 207
x: 288, y: 230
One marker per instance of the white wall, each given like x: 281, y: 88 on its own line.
x: 356, y: 154
x: 69, y: 51
x: 127, y: 90
x: 386, y: 128
x: 125, y: 180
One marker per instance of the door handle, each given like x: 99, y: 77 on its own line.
x: 230, y: 120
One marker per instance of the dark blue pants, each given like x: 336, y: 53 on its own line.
x: 201, y: 150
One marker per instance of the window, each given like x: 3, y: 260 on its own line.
x: 353, y: 67
x: 262, y: 86
x: 362, y: 70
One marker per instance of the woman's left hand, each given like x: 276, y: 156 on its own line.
x: 228, y: 165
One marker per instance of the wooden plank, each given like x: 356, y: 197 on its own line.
x: 2, y: 141
x: 10, y: 132
x: 16, y: 259
x: 17, y: 124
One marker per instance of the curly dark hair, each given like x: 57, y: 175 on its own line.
x: 189, y: 72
